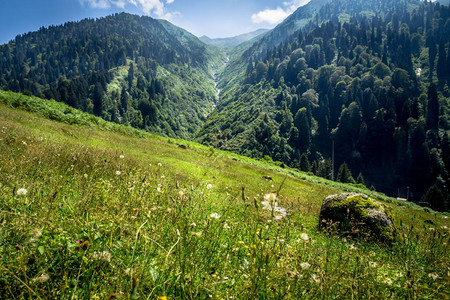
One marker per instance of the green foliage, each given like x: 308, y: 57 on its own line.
x: 360, y: 81
x: 435, y: 199
x: 344, y: 174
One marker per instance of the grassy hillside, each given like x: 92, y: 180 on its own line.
x: 99, y: 210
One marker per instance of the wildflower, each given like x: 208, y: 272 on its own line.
x: 197, y: 234
x: 214, y: 216
x: 373, y: 264
x: 434, y: 276
x: 118, y: 173
x: 104, y: 256
x: 305, y: 265
x: 209, y: 186
x: 304, y: 236
x: 352, y: 247
x: 85, y: 175
x: 271, y: 197
x: 193, y: 224
x: 161, y: 298
x: 159, y: 164
x: 168, y: 210
x: 41, y: 279
x: 253, y: 247
x: 159, y: 188
x: 22, y: 192
x: 162, y: 176
x: 387, y: 281
x: 24, y: 143
x: 122, y: 156
x: 315, y: 278
x: 226, y: 226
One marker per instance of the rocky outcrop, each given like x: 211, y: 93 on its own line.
x: 357, y: 215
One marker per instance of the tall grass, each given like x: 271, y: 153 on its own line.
x: 107, y: 215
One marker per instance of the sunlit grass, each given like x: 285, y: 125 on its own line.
x: 102, y: 215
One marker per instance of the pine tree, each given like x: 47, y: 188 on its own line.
x: 432, y: 108
x: 305, y: 166
x: 360, y: 179
x: 344, y: 174
x: 435, y: 199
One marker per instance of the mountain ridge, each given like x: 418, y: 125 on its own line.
x: 233, y: 41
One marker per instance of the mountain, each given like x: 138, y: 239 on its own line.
x: 369, y: 77
x: 233, y: 41
x: 133, y: 70
x: 94, y: 209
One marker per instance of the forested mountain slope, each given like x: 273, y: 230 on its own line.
x: 373, y: 77
x: 125, y: 68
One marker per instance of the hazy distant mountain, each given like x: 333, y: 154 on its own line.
x: 232, y: 41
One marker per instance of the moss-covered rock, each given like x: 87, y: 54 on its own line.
x: 357, y: 215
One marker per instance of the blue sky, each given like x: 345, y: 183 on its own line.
x: 214, y: 18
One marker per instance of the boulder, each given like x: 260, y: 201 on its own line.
x: 357, y: 215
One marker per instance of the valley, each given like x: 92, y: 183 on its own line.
x: 139, y: 161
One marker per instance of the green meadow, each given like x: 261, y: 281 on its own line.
x: 95, y: 210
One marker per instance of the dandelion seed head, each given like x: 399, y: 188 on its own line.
x: 209, y: 186
x: 22, y: 192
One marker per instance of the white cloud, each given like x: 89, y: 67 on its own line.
x: 148, y: 7
x: 271, y: 16
x: 96, y: 3
x: 275, y: 16
x: 119, y: 3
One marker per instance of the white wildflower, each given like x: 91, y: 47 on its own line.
x: 193, y: 224
x: 214, y: 216
x: 271, y: 197
x: 304, y: 236
x: 118, y: 173
x: 159, y: 188
x: 104, y: 256
x: 226, y: 226
x: 209, y: 186
x: 85, y: 176
x: 22, y: 192
x: 305, y: 265
x: 352, y: 247
x: 122, y: 156
x: 373, y: 264
x: 197, y: 234
x: 159, y: 164
x: 41, y: 279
